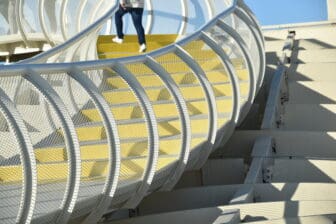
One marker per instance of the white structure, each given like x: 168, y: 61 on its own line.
x: 82, y: 137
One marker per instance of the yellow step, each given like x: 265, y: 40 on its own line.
x: 100, y: 151
x: 149, y: 80
x: 152, y: 80
x: 207, y: 58
x: 52, y: 172
x: 127, y: 50
x: 157, y: 94
x: 139, y: 130
x: 198, y: 44
x: 208, y: 66
x: 107, y: 49
x: 134, y: 38
x: 161, y: 110
x: 129, y: 47
x: 215, y: 64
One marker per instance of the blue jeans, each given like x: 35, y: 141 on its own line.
x: 136, y: 14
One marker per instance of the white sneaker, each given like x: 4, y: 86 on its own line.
x: 117, y: 40
x: 142, y: 48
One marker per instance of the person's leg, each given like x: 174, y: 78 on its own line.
x: 137, y: 21
x: 119, y: 22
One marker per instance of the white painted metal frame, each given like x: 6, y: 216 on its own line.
x: 81, y: 7
x: 76, y: 71
x: 71, y: 143
x: 19, y: 20
x: 150, y: 17
x: 248, y: 59
x: 184, y: 21
x: 256, y: 35
x: 27, y: 157
x: 113, y: 142
x: 184, y: 117
x: 212, y: 106
x: 153, y: 135
x: 63, y: 19
x: 241, y: 4
x: 236, y: 110
x: 41, y: 16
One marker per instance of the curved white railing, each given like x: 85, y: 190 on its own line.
x: 42, y: 100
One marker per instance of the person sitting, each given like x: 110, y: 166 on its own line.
x: 135, y: 8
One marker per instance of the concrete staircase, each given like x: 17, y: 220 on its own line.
x: 287, y: 173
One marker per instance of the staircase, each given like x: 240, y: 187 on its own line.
x: 84, y: 139
x: 52, y: 161
x: 291, y: 163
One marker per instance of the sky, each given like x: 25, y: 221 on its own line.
x: 274, y: 12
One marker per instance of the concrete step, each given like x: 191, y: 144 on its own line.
x: 313, y: 71
x: 310, y: 117
x: 274, y: 45
x: 306, y: 56
x: 248, y: 212
x: 306, y: 170
x: 320, y: 219
x: 317, y: 92
x: 312, y: 44
x: 210, y: 196
x: 309, y: 144
x: 183, y: 199
x: 205, y: 176
x: 294, y: 192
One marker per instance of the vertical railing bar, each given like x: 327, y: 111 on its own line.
x: 153, y: 135
x: 71, y: 142
x: 235, y: 86
x: 184, y: 116
x: 211, y: 101
x: 113, y: 140
x: 27, y: 157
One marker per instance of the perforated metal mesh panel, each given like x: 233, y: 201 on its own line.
x: 10, y: 166
x: 90, y: 132
x: 47, y: 137
x: 231, y: 48
x: 251, y: 42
